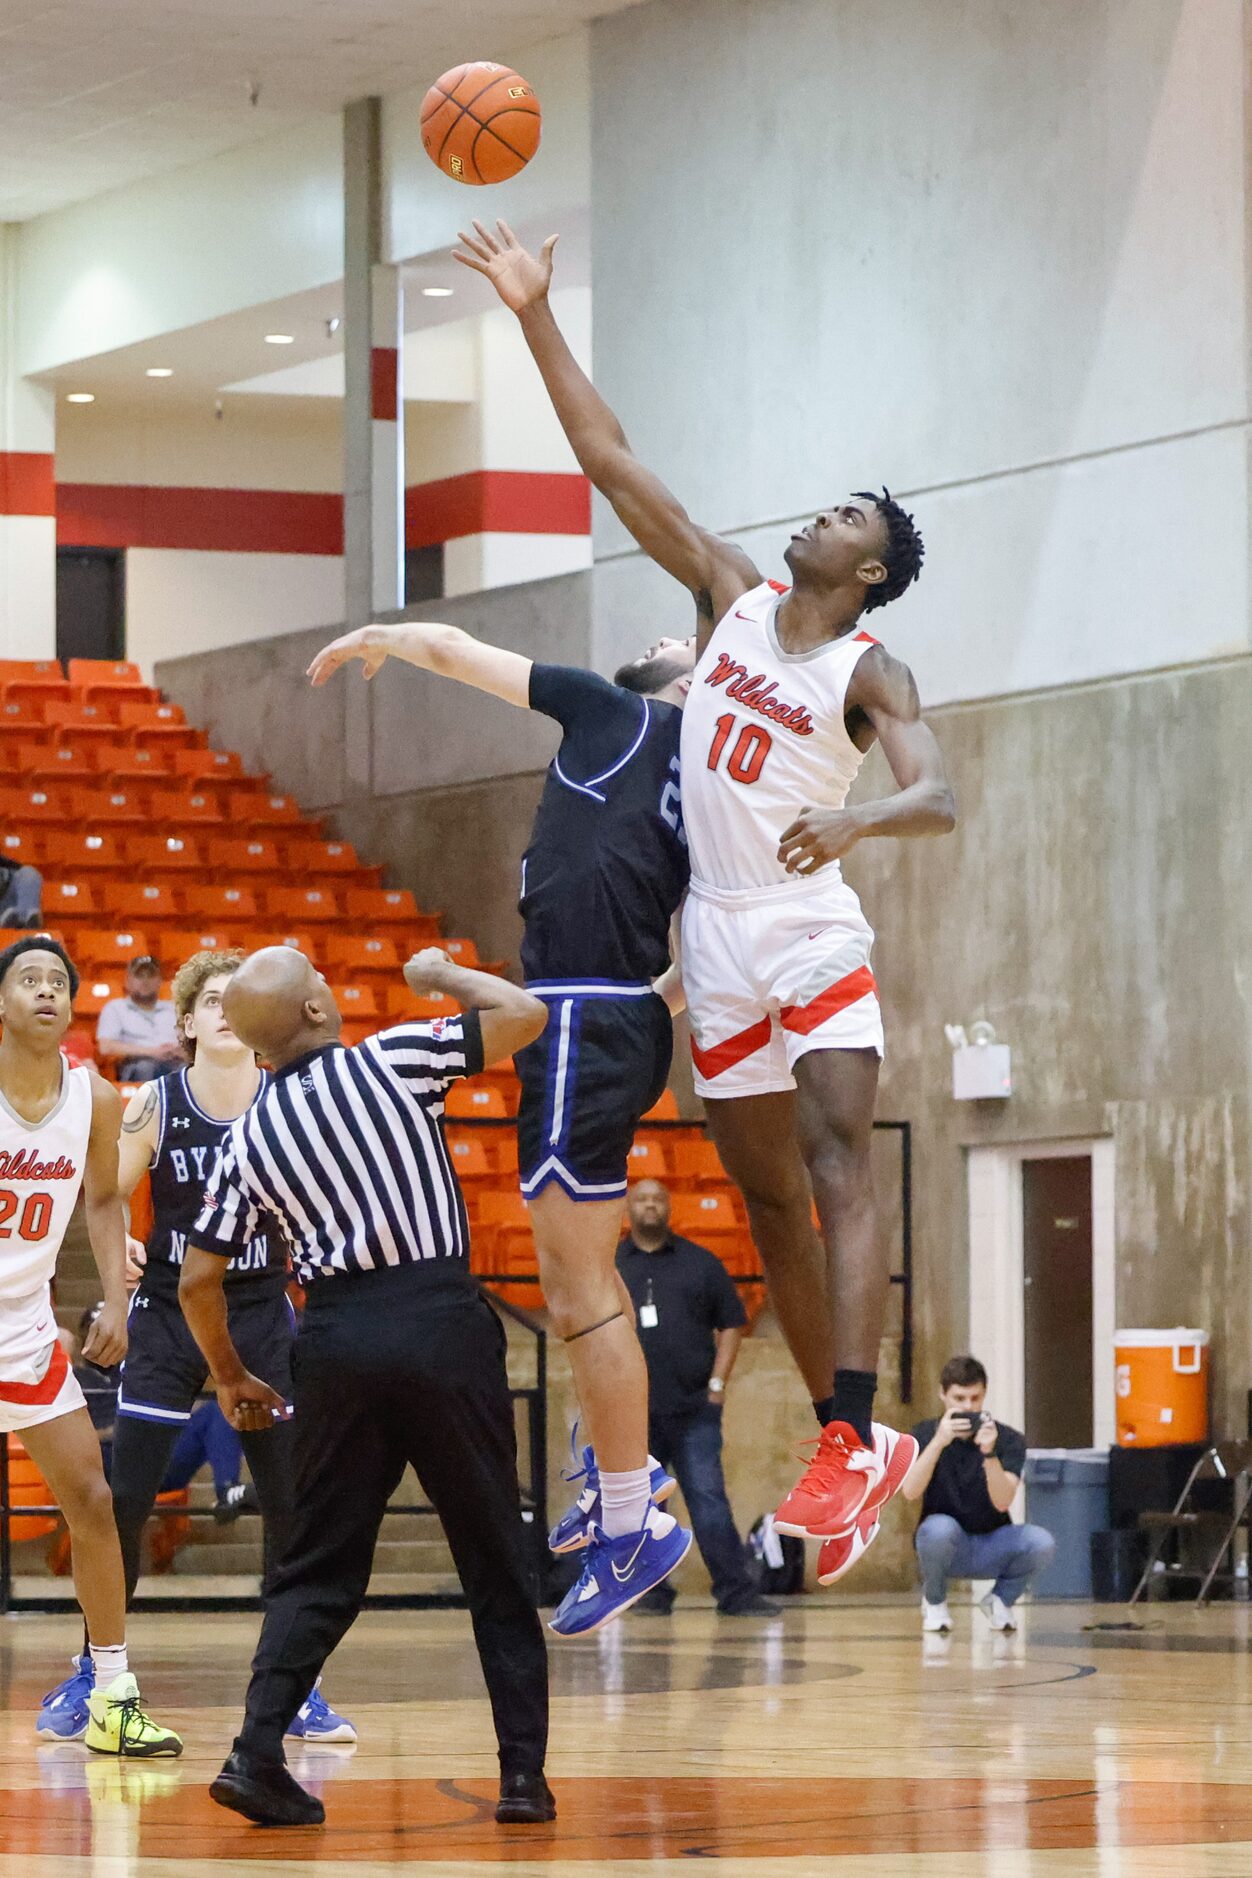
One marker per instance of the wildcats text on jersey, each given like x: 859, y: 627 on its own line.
x: 748, y: 691
x: 26, y: 1165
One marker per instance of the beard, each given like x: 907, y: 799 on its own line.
x: 647, y: 676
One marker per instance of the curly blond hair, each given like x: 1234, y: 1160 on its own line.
x: 190, y: 980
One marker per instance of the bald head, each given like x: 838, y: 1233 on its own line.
x: 279, y: 1004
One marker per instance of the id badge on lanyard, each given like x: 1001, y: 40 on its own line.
x: 648, y: 1315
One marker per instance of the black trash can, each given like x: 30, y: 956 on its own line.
x: 1116, y: 1562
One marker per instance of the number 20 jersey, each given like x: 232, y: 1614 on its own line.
x: 41, y: 1172
x: 763, y: 737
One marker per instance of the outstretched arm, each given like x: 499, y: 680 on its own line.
x: 714, y: 570
x: 433, y: 648
x: 883, y: 694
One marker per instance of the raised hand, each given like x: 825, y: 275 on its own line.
x: 425, y: 971
x: 519, y: 277
x: 364, y: 644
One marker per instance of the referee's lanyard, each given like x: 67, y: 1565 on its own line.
x: 648, y: 1317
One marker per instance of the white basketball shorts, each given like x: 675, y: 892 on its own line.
x: 38, y: 1390
x: 770, y: 974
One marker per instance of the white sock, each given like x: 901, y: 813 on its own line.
x: 109, y: 1662
x: 624, y: 1501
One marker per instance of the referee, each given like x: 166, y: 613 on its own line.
x: 398, y: 1359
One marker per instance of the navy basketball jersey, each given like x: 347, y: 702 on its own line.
x: 607, y: 861
x: 187, y: 1145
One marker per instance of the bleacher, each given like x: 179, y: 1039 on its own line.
x: 151, y: 842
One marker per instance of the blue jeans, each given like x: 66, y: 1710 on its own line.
x: 20, y: 893
x: 690, y: 1447
x: 1012, y: 1555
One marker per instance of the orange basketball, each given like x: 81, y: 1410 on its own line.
x: 480, y: 123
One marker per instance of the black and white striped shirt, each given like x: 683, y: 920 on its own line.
x: 346, y: 1149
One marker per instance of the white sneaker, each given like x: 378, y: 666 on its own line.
x: 936, y: 1617
x: 997, y: 1613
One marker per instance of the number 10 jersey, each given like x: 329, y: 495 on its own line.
x: 763, y: 737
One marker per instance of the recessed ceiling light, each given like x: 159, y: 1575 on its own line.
x: 438, y: 293
x: 80, y: 397
x: 280, y: 339
x: 159, y: 371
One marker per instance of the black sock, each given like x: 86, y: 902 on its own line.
x: 825, y: 1409
x: 853, y: 1401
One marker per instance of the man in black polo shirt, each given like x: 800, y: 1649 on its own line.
x: 966, y: 1476
x: 690, y: 1322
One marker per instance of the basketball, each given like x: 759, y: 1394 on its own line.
x: 480, y: 123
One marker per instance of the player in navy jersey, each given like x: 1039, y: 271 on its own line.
x: 171, y: 1130
x: 602, y: 877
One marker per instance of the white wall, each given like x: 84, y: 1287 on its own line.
x: 258, y: 443
x: 179, y: 601
x: 992, y: 255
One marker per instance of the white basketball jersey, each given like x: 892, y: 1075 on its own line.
x: 41, y: 1172
x: 763, y: 737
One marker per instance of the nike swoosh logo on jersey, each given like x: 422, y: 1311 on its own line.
x: 818, y: 933
x: 622, y: 1577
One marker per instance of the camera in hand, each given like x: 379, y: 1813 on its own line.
x: 967, y: 1421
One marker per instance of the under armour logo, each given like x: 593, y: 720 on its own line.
x: 181, y: 1121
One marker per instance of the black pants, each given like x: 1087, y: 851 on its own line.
x: 394, y: 1367
x: 141, y: 1458
x: 690, y: 1447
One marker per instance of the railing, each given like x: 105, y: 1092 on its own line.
x: 903, y: 1277
x: 534, y: 1498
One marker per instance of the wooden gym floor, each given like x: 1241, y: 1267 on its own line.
x: 836, y: 1740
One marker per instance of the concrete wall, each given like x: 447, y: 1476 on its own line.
x: 994, y: 255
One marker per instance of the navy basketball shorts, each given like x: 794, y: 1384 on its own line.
x: 598, y: 1068
x: 165, y: 1370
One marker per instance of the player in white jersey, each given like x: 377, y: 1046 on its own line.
x: 59, y: 1130
x: 788, y: 693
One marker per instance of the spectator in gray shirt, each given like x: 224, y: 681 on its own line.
x: 21, y: 890
x: 139, y: 1033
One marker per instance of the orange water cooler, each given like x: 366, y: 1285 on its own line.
x: 1162, y: 1387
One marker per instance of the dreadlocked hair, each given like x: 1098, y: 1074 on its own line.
x: 902, y: 557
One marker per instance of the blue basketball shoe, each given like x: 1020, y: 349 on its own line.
x: 573, y: 1530
x: 316, y: 1720
x: 616, y: 1573
x: 63, y: 1711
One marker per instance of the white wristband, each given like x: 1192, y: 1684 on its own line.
x: 716, y: 1385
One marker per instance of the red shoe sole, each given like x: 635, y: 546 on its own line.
x: 903, y: 1454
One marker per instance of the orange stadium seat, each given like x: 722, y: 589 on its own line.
x: 20, y: 714
x: 180, y: 943
x: 106, y: 947
x: 357, y: 1003
x: 72, y: 719
x: 195, y: 807
x: 125, y: 765
x: 43, y: 691
x: 470, y: 1099
x: 71, y: 853
x: 151, y: 901
x: 463, y: 952
x: 697, y: 1215
x: 164, y: 854
x: 646, y: 1160
x: 694, y: 1158
x: 311, y: 944
x: 363, y: 955
x: 254, y: 856
x: 141, y: 715
x: 299, y: 904
x: 306, y: 855
x: 112, y: 806
x: 27, y: 1487
x: 44, y: 804
x: 404, y: 1006
x: 220, y: 904
x: 252, y: 808
x: 19, y: 845
x: 665, y: 1109
x: 14, y: 669
x: 71, y: 899
x: 116, y: 672
x: 97, y: 988
x: 387, y: 906
x: 470, y: 1156
x: 207, y: 765
x: 46, y: 762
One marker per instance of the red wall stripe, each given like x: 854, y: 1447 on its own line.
x: 27, y: 483
x: 279, y: 521
x: 384, y: 383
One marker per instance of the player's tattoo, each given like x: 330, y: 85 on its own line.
x: 132, y: 1124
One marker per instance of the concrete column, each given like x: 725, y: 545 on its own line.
x: 28, y: 614
x: 387, y: 436
x: 362, y: 253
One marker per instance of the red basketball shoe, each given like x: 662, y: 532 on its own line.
x: 840, y: 1554
x: 835, y: 1486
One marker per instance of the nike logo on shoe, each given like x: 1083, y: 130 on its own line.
x: 624, y: 1577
